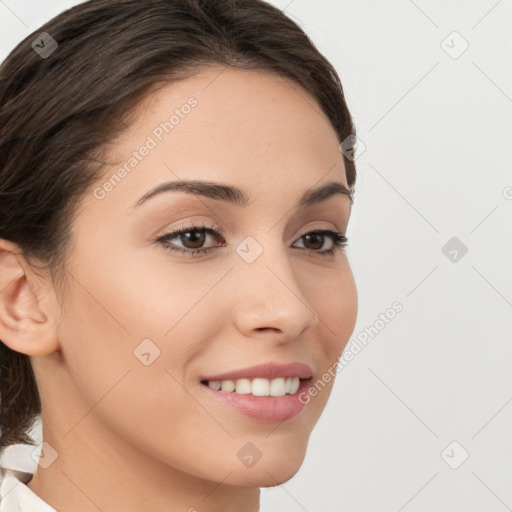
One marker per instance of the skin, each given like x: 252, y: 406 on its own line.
x: 131, y: 437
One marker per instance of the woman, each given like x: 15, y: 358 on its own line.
x: 175, y: 187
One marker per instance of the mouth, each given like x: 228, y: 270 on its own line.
x: 276, y: 400
x: 271, y: 392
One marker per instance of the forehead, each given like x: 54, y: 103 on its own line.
x: 252, y: 107
x: 255, y: 129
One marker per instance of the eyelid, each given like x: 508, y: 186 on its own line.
x: 307, y: 230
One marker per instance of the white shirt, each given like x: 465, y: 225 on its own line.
x: 16, y: 496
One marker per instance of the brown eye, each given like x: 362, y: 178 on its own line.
x: 314, y: 240
x: 190, y: 239
x: 193, y: 239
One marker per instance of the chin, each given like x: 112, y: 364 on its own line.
x: 266, y: 477
x: 267, y: 474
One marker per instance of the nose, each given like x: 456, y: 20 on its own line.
x: 269, y: 299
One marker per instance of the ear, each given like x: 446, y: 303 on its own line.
x: 27, y: 305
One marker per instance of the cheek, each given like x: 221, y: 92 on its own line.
x: 134, y: 334
x: 156, y: 295
x: 336, y: 303
x: 112, y: 386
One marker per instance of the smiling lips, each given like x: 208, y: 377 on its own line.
x: 269, y: 400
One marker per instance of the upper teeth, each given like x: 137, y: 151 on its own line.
x: 258, y: 387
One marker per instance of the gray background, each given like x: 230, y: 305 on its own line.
x: 434, y: 163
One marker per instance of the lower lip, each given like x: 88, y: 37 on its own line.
x: 263, y: 408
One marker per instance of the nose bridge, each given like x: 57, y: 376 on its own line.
x: 269, y: 294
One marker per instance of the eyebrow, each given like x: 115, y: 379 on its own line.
x: 238, y: 197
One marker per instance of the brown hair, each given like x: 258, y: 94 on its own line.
x: 58, y: 112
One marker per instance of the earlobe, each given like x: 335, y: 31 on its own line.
x: 27, y: 324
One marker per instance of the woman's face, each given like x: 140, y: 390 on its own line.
x: 144, y: 324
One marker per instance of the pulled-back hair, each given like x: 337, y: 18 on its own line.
x: 60, y: 109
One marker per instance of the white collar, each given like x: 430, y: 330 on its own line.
x: 16, y: 496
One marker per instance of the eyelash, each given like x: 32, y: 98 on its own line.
x: 339, y: 239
